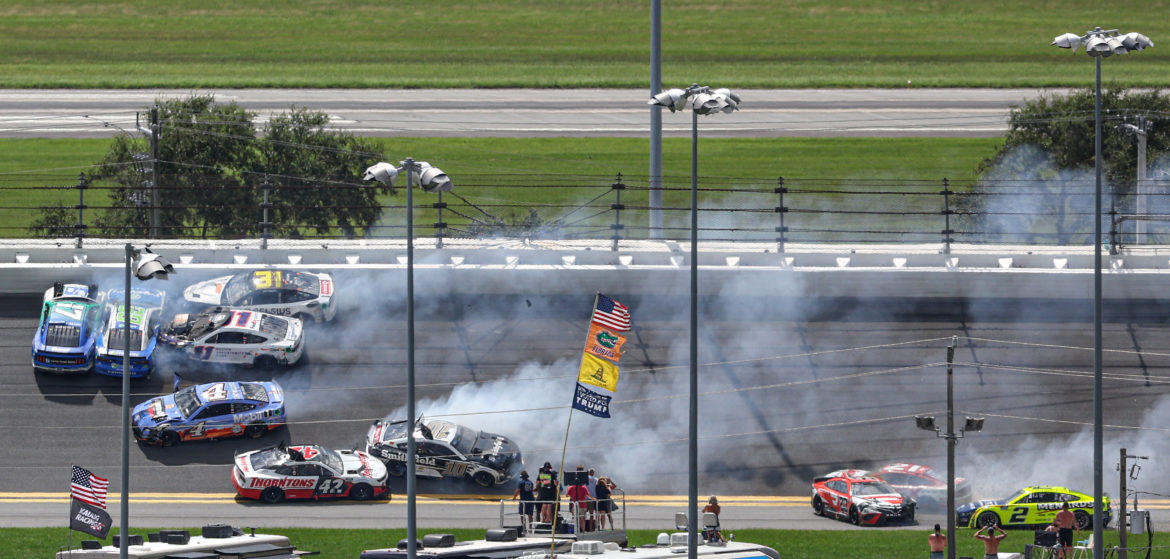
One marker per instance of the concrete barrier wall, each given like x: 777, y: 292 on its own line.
x: 554, y: 268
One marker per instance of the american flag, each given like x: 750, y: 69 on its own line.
x: 611, y: 314
x: 89, y: 488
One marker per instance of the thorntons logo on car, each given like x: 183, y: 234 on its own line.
x: 287, y: 483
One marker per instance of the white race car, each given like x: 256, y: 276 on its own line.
x: 308, y: 472
x: 303, y: 295
x: 222, y: 335
x: 445, y: 450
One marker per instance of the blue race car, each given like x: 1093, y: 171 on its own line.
x: 210, y: 411
x: 145, y: 307
x: 67, y: 332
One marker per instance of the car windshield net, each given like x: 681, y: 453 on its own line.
x: 464, y: 440
x: 186, y: 401
x: 274, y: 325
x: 331, y: 458
x: 872, y: 488
x: 254, y: 391
x: 238, y: 287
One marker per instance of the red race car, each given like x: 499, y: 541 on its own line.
x: 925, y: 485
x: 308, y: 472
x: 862, y: 500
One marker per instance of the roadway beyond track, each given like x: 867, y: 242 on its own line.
x: 540, y: 113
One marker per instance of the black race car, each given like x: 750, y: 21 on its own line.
x: 445, y: 449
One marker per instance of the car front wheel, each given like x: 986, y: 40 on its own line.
x: 168, y: 438
x: 484, y: 479
x: 361, y: 492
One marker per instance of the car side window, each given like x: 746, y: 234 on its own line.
x: 230, y: 338
x: 241, y: 407
x: 254, y: 339
x: 265, y: 297
x: 294, y: 296
x: 1041, y: 498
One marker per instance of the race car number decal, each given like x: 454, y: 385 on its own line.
x: 842, y: 502
x: 75, y: 291
x: 457, y: 469
x: 198, y: 430
x: 1019, y: 515
x: 240, y: 318
x: 217, y: 391
x: 307, y: 452
x: 267, y: 279
x: 70, y: 310
x: 203, y: 351
x: 331, y: 486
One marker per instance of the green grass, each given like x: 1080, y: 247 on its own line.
x: 506, y: 176
x: 792, y: 544
x: 593, y: 43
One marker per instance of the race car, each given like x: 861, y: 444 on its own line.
x: 68, y: 329
x: 223, y: 335
x: 445, y: 449
x: 308, y: 472
x: 923, y: 484
x: 1031, y: 507
x: 145, y: 307
x: 303, y: 295
x: 860, y: 499
x: 210, y: 411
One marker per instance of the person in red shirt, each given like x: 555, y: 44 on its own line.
x: 582, y: 501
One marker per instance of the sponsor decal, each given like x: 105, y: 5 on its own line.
x: 89, y: 519
x: 284, y: 483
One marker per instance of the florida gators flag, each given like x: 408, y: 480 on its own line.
x: 603, y: 343
x: 598, y: 372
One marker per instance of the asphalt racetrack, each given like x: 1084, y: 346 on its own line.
x: 789, y: 388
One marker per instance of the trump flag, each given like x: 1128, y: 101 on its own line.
x: 591, y: 402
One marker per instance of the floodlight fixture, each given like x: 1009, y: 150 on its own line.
x: 431, y: 178
x: 1068, y: 41
x: 973, y: 424
x: 152, y: 266
x: 673, y: 99
x: 382, y: 172
x: 925, y: 422
x: 1136, y: 41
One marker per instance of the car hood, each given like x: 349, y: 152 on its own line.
x: 156, y: 411
x: 890, y: 499
x: 978, y: 504
x: 208, y: 292
x: 360, y: 463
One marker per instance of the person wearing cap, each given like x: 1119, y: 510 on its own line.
x: 524, y: 492
x: 547, y: 491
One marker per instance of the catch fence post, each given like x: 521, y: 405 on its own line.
x: 265, y: 224
x: 440, y: 225
x: 947, y: 231
x: 617, y: 208
x: 79, y: 229
x: 782, y: 210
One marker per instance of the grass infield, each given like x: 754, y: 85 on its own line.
x: 540, y: 43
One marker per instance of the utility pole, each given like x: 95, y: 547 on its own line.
x: 155, y: 221
x: 1141, y: 187
x: 1122, y: 527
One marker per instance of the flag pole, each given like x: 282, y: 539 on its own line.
x: 69, y: 515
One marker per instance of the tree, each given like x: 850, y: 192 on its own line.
x: 1042, y: 177
x: 310, y: 169
x: 211, y: 169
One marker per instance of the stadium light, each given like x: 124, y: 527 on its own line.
x: 701, y: 101
x: 430, y: 179
x: 146, y: 265
x: 971, y: 424
x: 1099, y: 43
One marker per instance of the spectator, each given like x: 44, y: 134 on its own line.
x: 938, y: 543
x: 582, y: 501
x: 713, y: 508
x: 1065, y: 522
x: 547, y: 491
x: 604, y: 493
x: 990, y: 540
x: 525, y: 492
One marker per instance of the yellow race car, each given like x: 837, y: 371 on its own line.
x: 1031, y: 506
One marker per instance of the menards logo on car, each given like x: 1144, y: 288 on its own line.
x: 1057, y: 506
x: 286, y: 483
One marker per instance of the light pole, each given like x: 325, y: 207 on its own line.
x: 1099, y: 44
x: 149, y: 265
x: 430, y: 179
x: 702, y: 101
x: 972, y: 424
